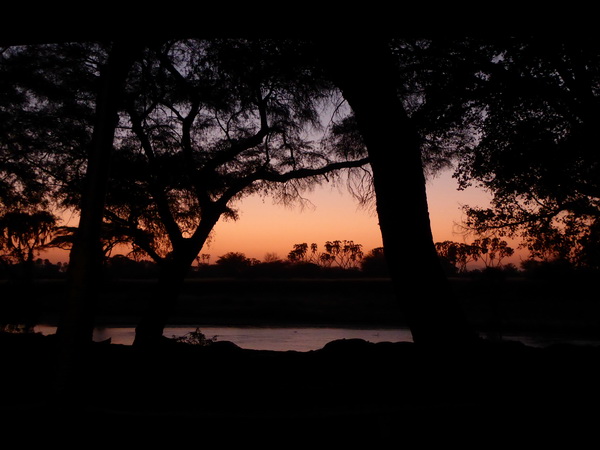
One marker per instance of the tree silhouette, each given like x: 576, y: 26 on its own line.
x: 300, y: 253
x: 23, y: 235
x: 538, y: 104
x: 76, y: 325
x: 244, y: 99
x: 235, y: 263
x: 111, y: 237
x: 339, y: 253
x: 344, y: 254
x: 366, y: 73
x: 61, y: 110
x: 456, y: 253
x: 490, y: 250
x: 374, y: 264
x: 45, y: 114
x: 207, y: 122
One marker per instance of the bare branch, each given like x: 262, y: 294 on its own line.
x: 158, y: 193
x: 306, y: 173
x: 240, y: 145
x: 263, y: 174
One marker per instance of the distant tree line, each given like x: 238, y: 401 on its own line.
x: 336, y: 258
x: 344, y: 254
x: 489, y: 251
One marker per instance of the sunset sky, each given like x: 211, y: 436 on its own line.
x: 334, y: 214
x: 264, y: 227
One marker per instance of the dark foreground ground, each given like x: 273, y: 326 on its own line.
x: 555, y: 305
x: 349, y: 394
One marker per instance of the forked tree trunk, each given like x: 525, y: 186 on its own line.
x: 163, y: 300
x: 365, y: 73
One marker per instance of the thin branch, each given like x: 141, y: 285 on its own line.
x: 263, y: 174
x: 306, y: 173
x: 133, y: 232
x: 158, y: 193
x: 240, y: 145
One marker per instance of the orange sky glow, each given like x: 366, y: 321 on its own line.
x: 264, y: 227
x: 334, y: 214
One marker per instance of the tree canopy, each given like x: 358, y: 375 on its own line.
x: 203, y: 122
x: 536, y: 150
x: 46, y: 110
x: 23, y: 235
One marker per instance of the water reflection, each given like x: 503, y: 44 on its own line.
x: 260, y: 338
x: 301, y: 338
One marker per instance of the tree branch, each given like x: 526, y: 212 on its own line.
x: 136, y: 235
x: 157, y: 192
x: 240, y: 145
x: 306, y: 173
x: 263, y: 174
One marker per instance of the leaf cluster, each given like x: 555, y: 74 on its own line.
x: 47, y: 102
x: 23, y: 234
x: 537, y: 151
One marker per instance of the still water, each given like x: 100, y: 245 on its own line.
x: 259, y: 338
x: 300, y: 338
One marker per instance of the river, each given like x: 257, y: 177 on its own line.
x: 300, y: 338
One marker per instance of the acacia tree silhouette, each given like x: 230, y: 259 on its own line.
x: 365, y: 72
x: 490, y: 250
x: 340, y: 253
x: 209, y: 122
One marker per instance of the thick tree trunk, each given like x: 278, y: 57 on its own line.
x: 163, y: 301
x: 76, y: 324
x: 365, y: 73
x: 161, y: 304
x: 28, y: 266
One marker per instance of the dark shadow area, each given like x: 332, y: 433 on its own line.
x: 350, y: 391
x: 495, y: 304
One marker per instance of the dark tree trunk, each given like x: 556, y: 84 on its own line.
x: 28, y: 267
x: 162, y: 303
x: 76, y: 324
x: 366, y: 75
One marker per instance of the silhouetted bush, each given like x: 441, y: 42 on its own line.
x: 271, y: 269
x: 447, y: 266
x: 374, y: 264
x: 41, y: 269
x: 493, y: 274
x: 547, y: 269
x: 234, y: 264
x: 305, y: 270
x: 559, y: 269
x: 120, y: 266
x: 195, y: 338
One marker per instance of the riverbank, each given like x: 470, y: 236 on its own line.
x: 348, y: 392
x: 494, y: 307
